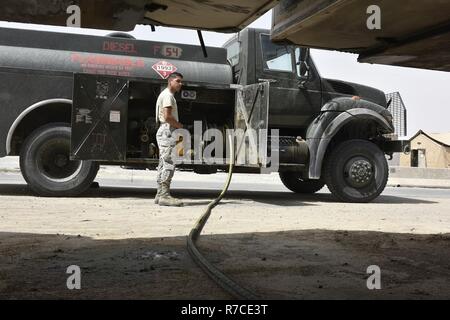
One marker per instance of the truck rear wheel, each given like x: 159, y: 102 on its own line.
x: 47, y: 168
x: 294, y: 182
x: 356, y: 171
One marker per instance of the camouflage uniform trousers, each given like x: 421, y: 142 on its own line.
x: 166, y: 145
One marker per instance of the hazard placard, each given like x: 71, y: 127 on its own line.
x: 164, y: 69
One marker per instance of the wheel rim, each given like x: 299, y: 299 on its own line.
x: 53, y: 161
x: 359, y: 172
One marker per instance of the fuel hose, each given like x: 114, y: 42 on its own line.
x: 215, y: 274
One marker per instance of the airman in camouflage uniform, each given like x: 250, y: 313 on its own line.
x: 167, y: 117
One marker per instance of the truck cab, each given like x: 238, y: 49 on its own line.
x: 330, y: 116
x: 256, y: 59
x: 294, y: 79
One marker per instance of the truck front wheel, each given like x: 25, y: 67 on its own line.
x: 46, y: 166
x: 356, y: 171
x: 294, y: 182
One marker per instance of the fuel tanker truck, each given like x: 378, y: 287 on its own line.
x: 70, y: 103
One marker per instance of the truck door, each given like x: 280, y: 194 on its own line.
x: 251, y: 124
x: 291, y: 106
x: 99, y: 117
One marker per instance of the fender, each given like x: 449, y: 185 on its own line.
x: 335, y: 115
x: 24, y: 114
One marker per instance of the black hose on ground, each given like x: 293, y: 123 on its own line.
x: 215, y: 274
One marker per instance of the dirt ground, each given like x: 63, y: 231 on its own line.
x: 277, y: 244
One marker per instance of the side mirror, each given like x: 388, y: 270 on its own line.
x: 303, y: 69
x: 302, y: 54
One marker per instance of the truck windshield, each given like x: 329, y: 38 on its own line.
x: 276, y: 57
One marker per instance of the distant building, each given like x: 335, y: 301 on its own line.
x: 428, y: 150
x: 398, y: 111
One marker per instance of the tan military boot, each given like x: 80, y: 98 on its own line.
x: 158, y: 192
x: 165, y: 199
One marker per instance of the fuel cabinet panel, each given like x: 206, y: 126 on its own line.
x: 251, y: 123
x: 99, y: 118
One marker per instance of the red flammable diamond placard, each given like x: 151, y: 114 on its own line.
x: 164, y: 69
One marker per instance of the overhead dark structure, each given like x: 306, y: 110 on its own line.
x: 216, y: 15
x: 414, y: 33
x: 123, y: 15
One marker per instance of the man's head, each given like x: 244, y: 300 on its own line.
x: 175, y: 81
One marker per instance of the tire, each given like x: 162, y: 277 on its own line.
x: 356, y: 171
x: 294, y: 182
x: 46, y: 166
